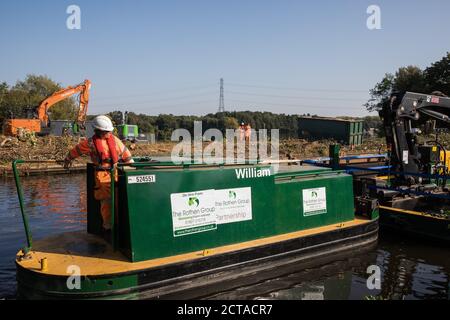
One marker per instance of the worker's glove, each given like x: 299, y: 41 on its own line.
x: 67, y: 163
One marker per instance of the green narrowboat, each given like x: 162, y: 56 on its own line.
x: 188, y: 231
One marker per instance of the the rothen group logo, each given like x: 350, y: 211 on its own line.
x: 193, y: 201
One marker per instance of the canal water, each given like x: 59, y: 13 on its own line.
x: 410, y: 269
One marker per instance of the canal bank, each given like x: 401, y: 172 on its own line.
x: 56, y: 148
x: 410, y: 269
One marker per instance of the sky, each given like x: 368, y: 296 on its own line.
x: 168, y: 56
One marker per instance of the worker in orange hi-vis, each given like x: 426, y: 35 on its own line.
x: 105, y: 150
x: 248, y: 131
x: 242, y: 131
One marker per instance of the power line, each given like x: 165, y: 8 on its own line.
x: 272, y: 105
x: 222, y: 102
x: 152, y: 93
x: 162, y: 100
x: 257, y: 104
x: 292, y: 97
x: 185, y: 104
x: 170, y: 91
x: 296, y: 89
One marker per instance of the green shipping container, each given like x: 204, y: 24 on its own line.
x: 348, y: 132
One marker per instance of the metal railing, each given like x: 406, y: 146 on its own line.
x: 25, y: 219
x: 27, y: 249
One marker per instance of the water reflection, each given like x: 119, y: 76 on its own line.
x: 414, y: 269
x: 54, y: 204
x: 411, y: 269
x: 333, y: 281
x: 60, y: 199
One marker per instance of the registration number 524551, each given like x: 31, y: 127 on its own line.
x: 148, y: 178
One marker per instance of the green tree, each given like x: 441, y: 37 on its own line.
x: 380, y: 92
x: 37, y: 88
x: 29, y: 93
x: 434, y: 78
x: 13, y: 104
x: 3, y: 91
x: 437, y: 76
x: 116, y: 117
x: 230, y: 123
x: 409, y: 78
x: 371, y: 122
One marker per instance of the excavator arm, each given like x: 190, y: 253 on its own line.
x: 82, y: 89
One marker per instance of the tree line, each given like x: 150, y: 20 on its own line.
x: 163, y: 124
x: 18, y: 100
x: 287, y: 124
x: 434, y: 78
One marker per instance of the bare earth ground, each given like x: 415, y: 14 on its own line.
x: 56, y: 148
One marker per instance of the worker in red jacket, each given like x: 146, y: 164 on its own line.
x: 242, y: 131
x: 248, y: 132
x: 105, y: 149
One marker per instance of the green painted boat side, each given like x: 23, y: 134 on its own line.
x: 146, y: 223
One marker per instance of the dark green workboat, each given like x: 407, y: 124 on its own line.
x: 189, y: 231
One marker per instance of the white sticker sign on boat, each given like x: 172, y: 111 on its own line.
x: 148, y: 178
x: 193, y: 212
x: 233, y: 205
x: 405, y: 156
x: 314, y: 201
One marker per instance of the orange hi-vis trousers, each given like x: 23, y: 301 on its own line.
x: 102, y: 193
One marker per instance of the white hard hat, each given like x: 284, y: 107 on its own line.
x: 103, y: 123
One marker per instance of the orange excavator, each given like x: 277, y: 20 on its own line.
x: 40, y: 123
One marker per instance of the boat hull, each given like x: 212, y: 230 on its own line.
x: 206, y: 275
x: 415, y: 224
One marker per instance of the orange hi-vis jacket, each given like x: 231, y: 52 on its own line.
x: 102, y: 188
x: 248, y: 131
x: 87, y: 147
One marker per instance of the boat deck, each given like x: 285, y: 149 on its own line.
x: 95, y: 256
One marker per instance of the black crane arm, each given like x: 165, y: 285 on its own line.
x: 399, y: 114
